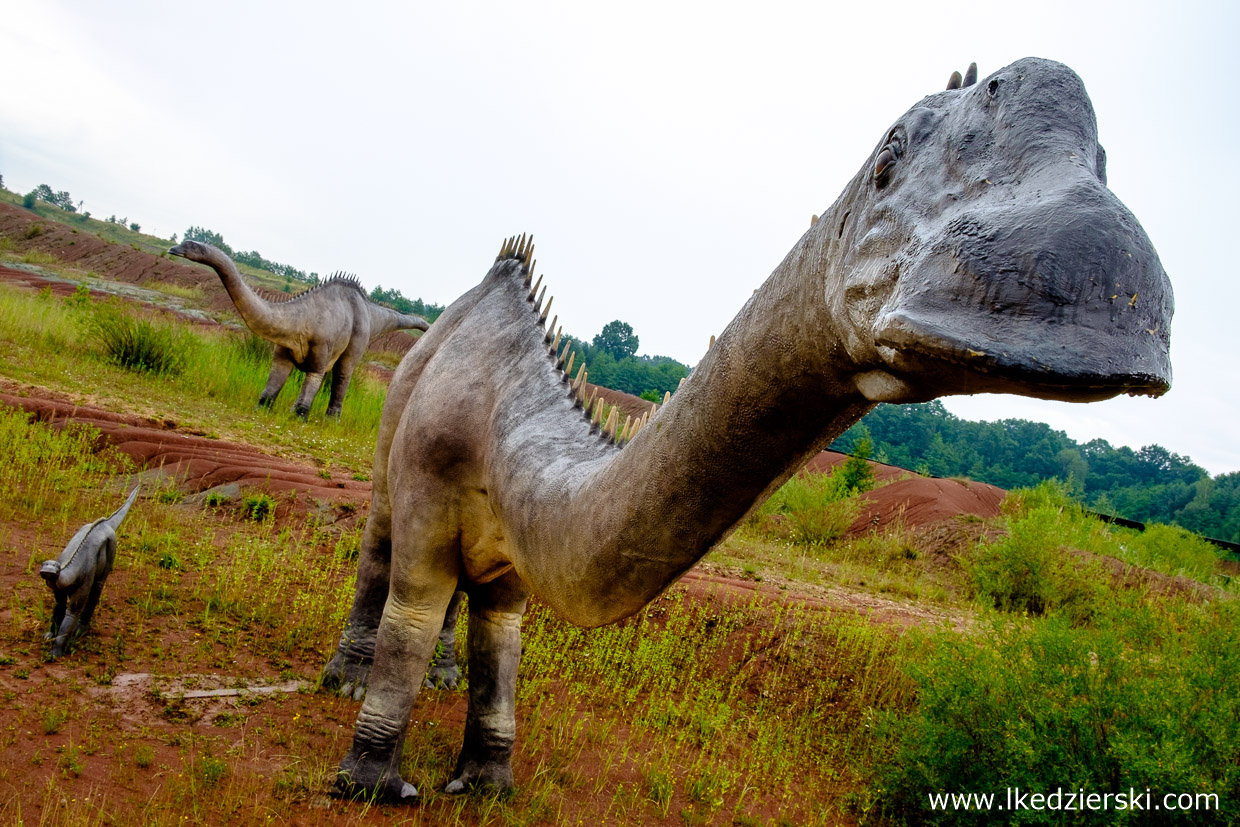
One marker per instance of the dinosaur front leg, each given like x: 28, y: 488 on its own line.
x: 444, y: 673
x: 494, y: 653
x: 406, y: 640
x: 68, y: 630
x: 281, y: 367
x: 309, y: 390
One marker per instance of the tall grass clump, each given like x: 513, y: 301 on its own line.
x: 140, y: 343
x: 38, y: 321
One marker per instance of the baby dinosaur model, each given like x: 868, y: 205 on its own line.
x: 978, y: 250
x: 326, y: 328
x: 77, y: 576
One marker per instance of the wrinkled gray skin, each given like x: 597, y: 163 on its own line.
x: 326, y: 328
x: 977, y: 250
x: 77, y: 576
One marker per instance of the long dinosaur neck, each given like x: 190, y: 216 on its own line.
x: 758, y: 405
x: 261, y: 316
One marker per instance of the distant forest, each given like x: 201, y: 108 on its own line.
x: 611, y: 360
x: 1150, y: 485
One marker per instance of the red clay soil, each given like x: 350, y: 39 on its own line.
x: 192, y: 460
x: 916, y: 500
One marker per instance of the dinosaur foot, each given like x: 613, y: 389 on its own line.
x: 301, y: 413
x: 491, y: 777
x: 346, y: 676
x: 442, y: 677
x: 370, y: 781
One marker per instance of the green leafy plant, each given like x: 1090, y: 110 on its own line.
x: 258, y: 507
x: 141, y: 344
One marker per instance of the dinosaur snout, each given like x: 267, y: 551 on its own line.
x: 50, y: 571
x: 1061, y: 289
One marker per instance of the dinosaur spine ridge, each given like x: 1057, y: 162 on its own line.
x: 521, y: 249
x: 347, y: 280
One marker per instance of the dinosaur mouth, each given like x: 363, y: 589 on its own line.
x: 1059, y: 296
x: 1074, y: 365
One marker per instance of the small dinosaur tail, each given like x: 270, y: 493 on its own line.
x: 119, y: 514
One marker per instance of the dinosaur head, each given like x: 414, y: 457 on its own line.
x: 50, y: 572
x: 984, y: 252
x: 193, y: 250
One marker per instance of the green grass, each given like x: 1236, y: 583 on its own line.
x: 56, y: 344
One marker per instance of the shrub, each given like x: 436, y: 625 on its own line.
x: 141, y: 344
x: 258, y: 507
x: 1172, y: 550
x: 1031, y: 571
x: 814, y: 509
x: 1045, y: 706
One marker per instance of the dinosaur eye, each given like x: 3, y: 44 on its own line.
x: 883, y: 164
x: 992, y: 88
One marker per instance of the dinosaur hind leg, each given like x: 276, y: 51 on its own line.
x: 342, y: 372
x: 281, y: 367
x: 494, y: 654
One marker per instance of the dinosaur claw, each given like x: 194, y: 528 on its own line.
x: 455, y: 787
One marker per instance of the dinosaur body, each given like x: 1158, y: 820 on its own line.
x: 977, y: 250
x: 77, y: 576
x: 326, y: 328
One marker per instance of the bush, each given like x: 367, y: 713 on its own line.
x: 1172, y: 550
x: 258, y: 507
x: 141, y: 344
x: 813, y: 509
x: 1031, y: 571
x: 1140, y: 702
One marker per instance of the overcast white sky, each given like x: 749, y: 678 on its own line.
x: 665, y: 155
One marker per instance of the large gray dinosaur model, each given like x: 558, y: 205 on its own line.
x: 328, y: 327
x: 977, y: 250
x: 77, y: 576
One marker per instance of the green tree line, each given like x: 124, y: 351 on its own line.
x: 1151, y: 484
x: 395, y: 300
x: 611, y: 360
